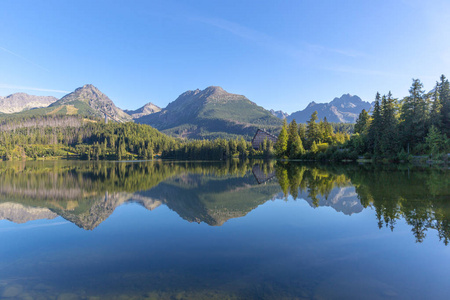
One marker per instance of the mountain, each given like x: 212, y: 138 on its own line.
x: 341, y: 110
x: 145, y: 110
x: 279, y: 114
x: 21, y: 101
x: 341, y: 199
x: 88, y: 100
x: 212, y: 113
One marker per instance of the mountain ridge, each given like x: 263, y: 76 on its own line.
x: 145, y: 110
x: 97, y: 102
x: 210, y: 113
x: 19, y: 102
x: 344, y: 109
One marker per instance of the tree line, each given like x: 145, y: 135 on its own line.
x: 310, y: 140
x: 37, y: 137
x: 417, y: 124
x: 396, y: 129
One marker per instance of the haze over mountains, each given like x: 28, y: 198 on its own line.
x: 208, y: 113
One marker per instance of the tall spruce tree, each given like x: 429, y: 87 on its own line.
x: 294, y: 145
x: 444, y: 95
x: 436, y: 108
x: 389, y: 134
x: 312, y: 131
x: 414, y: 115
x: 376, y: 127
x: 292, y: 133
x: 362, y: 123
x: 281, y: 144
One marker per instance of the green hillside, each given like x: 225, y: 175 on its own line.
x: 212, y: 113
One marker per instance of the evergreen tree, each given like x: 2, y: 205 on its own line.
x: 281, y: 145
x: 292, y: 134
x: 444, y: 95
x: 436, y: 108
x: 414, y: 115
x: 294, y: 145
x: 376, y: 127
x: 389, y: 134
x: 362, y: 123
x: 302, y: 132
x: 312, y: 130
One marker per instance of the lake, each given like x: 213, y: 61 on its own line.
x: 223, y: 230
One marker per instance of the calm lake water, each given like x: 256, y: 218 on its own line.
x: 177, y: 230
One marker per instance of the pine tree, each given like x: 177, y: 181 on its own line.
x: 292, y: 134
x: 281, y: 145
x: 362, y: 123
x: 414, y: 115
x: 376, y: 126
x: 389, y: 134
x: 444, y: 95
x: 312, y: 130
x: 294, y: 145
x: 302, y: 132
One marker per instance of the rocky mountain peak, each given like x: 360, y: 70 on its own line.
x: 344, y: 109
x: 18, y: 102
x: 145, y: 110
x: 93, y: 97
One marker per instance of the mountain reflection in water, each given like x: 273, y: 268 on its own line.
x: 87, y: 193
x: 223, y: 230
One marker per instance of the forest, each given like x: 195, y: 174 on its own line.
x: 396, y: 130
x: 76, y: 137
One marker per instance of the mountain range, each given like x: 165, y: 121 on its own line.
x: 200, y: 114
x: 340, y: 110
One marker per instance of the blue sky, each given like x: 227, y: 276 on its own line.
x: 280, y: 54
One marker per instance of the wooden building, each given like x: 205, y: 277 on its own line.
x: 259, y: 138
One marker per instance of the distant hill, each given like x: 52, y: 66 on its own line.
x: 212, y: 113
x: 145, y: 110
x: 279, y: 114
x: 341, y: 110
x: 21, y: 101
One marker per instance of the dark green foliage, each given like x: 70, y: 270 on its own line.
x: 414, y: 116
x: 389, y: 133
x: 362, y: 123
x: 444, y: 96
x: 375, y: 129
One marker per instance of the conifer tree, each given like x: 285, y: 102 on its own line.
x: 389, y: 134
x: 362, y: 123
x: 414, y: 115
x: 312, y: 130
x: 281, y: 145
x: 444, y: 95
x: 376, y: 126
x: 292, y: 133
